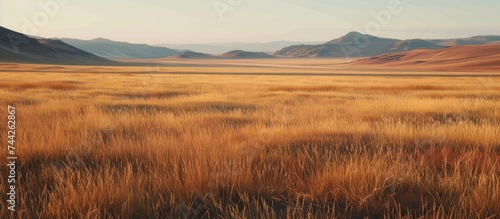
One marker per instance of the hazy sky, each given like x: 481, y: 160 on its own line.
x: 198, y: 21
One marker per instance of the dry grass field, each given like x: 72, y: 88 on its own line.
x: 174, y: 142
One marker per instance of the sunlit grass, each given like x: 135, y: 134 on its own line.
x: 205, y: 146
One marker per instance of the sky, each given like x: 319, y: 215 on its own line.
x: 218, y: 21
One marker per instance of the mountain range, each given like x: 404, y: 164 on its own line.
x: 120, y: 50
x: 356, y: 44
x: 17, y: 47
x: 220, y: 48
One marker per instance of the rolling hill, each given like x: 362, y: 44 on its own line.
x: 468, y: 57
x: 17, y: 47
x: 120, y: 50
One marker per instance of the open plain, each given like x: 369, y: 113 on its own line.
x: 280, y: 138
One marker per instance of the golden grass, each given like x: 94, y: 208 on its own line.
x: 54, y: 85
x: 206, y: 146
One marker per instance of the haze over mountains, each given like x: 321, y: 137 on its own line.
x: 353, y: 44
x: 17, y: 47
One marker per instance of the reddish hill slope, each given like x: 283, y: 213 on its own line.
x: 477, y: 57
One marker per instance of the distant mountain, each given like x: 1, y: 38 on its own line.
x: 17, y: 47
x: 203, y: 48
x: 462, y: 57
x: 356, y: 44
x: 120, y: 50
x: 192, y: 55
x: 240, y: 54
x: 476, y: 40
x: 300, y: 51
x: 220, y: 48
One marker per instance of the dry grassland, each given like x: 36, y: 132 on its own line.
x: 97, y: 144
